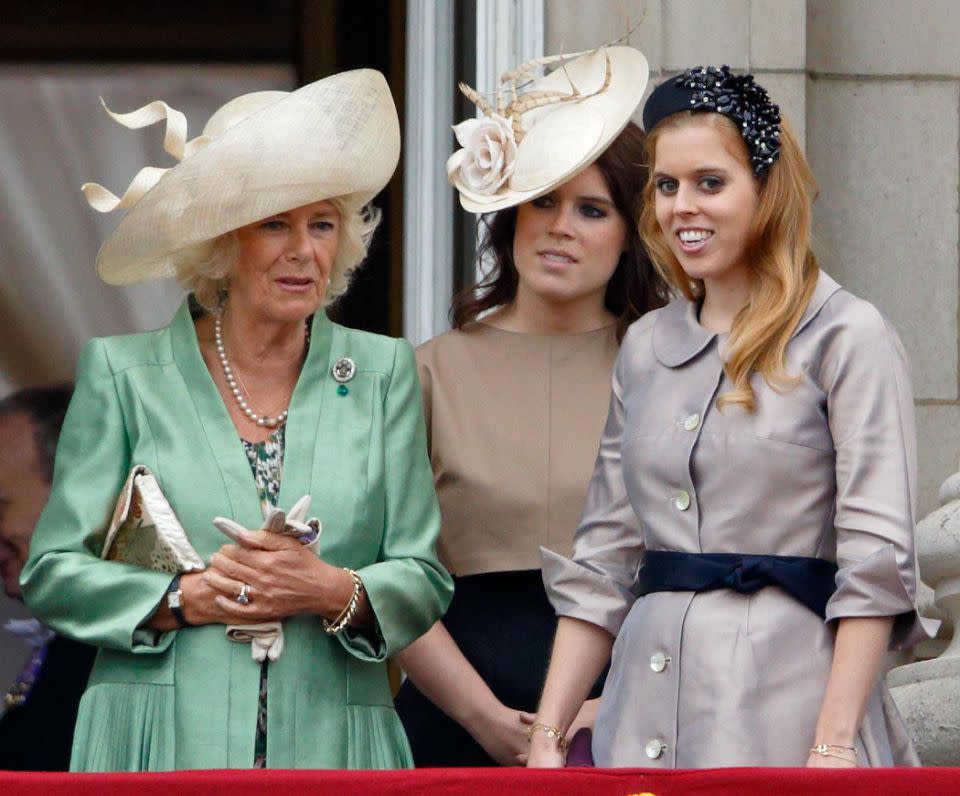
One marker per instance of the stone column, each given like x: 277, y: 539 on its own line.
x: 766, y: 37
x: 883, y: 106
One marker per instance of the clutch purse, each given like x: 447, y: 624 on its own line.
x: 145, y: 531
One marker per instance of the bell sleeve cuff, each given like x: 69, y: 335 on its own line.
x: 366, y: 645
x: 577, y: 591
x: 875, y: 587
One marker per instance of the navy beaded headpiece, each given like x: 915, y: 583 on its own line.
x: 738, y: 97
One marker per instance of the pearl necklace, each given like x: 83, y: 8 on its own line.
x: 260, y: 420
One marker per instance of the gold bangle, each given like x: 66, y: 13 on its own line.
x: 349, y: 610
x: 551, y: 732
x: 832, y: 750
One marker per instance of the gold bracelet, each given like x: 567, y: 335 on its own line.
x: 832, y: 750
x: 551, y: 732
x: 349, y: 610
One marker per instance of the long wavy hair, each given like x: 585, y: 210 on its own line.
x: 783, y: 268
x: 634, y: 288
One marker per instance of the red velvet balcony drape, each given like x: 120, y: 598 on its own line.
x: 497, y: 782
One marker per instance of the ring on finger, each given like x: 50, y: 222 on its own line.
x: 244, y: 596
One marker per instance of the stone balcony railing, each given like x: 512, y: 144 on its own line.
x: 927, y: 691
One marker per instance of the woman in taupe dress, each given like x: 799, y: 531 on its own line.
x: 746, y: 552
x: 515, y: 402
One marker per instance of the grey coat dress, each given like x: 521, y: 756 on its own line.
x: 825, y: 469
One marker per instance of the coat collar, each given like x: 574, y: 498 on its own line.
x: 678, y: 336
x: 214, y: 420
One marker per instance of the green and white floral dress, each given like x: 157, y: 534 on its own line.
x: 266, y: 462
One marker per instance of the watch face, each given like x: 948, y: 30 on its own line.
x: 173, y: 599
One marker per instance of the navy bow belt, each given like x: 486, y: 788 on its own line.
x: 810, y: 581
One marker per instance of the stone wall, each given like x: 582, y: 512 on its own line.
x: 873, y: 91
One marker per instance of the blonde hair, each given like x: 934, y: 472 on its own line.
x: 205, y: 268
x: 783, y: 268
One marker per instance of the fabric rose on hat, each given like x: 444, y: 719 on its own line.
x: 488, y: 156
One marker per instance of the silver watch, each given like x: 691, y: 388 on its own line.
x: 175, y: 601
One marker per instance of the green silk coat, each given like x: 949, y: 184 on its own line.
x: 188, y: 699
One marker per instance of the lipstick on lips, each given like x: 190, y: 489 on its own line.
x: 295, y: 284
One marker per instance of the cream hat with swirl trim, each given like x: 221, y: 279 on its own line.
x: 549, y: 133
x: 259, y: 155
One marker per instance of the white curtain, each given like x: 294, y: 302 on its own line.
x: 54, y: 136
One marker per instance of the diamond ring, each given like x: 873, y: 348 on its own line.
x: 244, y: 596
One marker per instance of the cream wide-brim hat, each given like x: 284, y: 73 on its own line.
x: 561, y: 139
x: 259, y: 155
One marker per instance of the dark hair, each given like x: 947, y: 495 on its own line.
x: 634, y: 288
x: 46, y: 408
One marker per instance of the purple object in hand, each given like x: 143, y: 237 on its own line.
x: 579, y: 753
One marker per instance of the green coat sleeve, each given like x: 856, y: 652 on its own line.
x: 407, y: 587
x: 65, y: 582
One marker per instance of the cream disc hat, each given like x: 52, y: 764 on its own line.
x: 259, y: 155
x: 554, y: 129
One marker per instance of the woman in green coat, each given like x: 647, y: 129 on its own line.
x: 250, y: 399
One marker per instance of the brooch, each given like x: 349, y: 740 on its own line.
x: 343, y: 370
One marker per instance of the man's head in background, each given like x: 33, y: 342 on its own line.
x: 30, y: 422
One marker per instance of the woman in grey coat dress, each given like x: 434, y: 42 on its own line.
x: 746, y: 551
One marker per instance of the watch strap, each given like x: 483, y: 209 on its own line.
x: 175, y: 601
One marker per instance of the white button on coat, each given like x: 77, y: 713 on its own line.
x: 692, y: 423
x: 654, y: 748
x: 658, y: 662
x: 681, y: 500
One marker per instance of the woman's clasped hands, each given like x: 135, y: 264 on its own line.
x: 273, y: 572
x: 281, y: 576
x: 502, y: 732
x: 265, y: 575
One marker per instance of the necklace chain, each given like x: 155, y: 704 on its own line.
x: 232, y: 376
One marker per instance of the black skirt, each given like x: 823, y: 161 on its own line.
x: 504, y: 625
